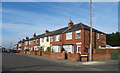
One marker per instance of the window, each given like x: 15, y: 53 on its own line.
x: 56, y: 48
x: 47, y: 39
x: 78, y: 47
x: 36, y: 41
x: 97, y: 36
x: 57, y: 37
x: 51, y: 39
x: 68, y: 48
x: 78, y: 34
x: 69, y: 36
x: 26, y: 43
x: 42, y: 40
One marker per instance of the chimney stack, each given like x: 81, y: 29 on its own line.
x: 70, y: 24
x: 34, y: 35
x: 23, y: 39
x: 46, y: 31
x: 27, y: 38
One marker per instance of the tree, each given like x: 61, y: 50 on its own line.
x: 113, y: 39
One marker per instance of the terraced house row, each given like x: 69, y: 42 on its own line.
x: 74, y: 38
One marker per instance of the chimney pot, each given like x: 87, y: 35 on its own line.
x: 46, y: 31
x: 70, y: 24
x: 34, y: 35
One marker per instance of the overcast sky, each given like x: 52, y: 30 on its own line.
x: 21, y: 19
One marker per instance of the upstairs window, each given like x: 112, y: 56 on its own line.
x: 47, y: 39
x: 97, y: 36
x: 42, y: 40
x: 78, y: 34
x: 69, y: 36
x: 57, y: 38
x: 37, y: 41
x: 51, y: 39
x: 26, y: 43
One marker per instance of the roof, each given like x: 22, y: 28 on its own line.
x: 75, y: 27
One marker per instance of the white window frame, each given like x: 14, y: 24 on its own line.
x: 79, y: 45
x: 57, y: 48
x: 57, y: 38
x: 70, y: 49
x: 26, y: 43
x: 69, y: 36
x: 36, y: 41
x: 51, y: 38
x: 42, y: 39
x: 79, y: 31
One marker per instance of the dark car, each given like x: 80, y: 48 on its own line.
x: 11, y: 51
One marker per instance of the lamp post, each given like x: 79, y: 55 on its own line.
x: 90, y: 30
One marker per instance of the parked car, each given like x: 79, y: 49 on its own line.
x: 11, y: 51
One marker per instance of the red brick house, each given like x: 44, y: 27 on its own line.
x: 76, y: 38
x: 34, y: 42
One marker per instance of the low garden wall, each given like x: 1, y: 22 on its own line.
x: 101, y: 56
x: 58, y: 55
x: 38, y: 53
x: 106, y: 54
x: 27, y: 52
x: 18, y: 51
x: 73, y: 57
x: 22, y: 51
x: 33, y: 52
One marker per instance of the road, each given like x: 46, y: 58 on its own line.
x: 16, y: 62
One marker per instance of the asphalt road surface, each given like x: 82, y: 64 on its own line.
x: 16, y: 62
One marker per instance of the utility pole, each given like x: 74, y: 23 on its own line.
x: 90, y: 30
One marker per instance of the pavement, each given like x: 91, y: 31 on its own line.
x: 24, y: 62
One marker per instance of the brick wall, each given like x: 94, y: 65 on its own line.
x: 38, y: 53
x: 73, y: 57
x: 27, y: 52
x: 58, y: 55
x: 101, y: 56
x: 22, y: 51
x: 96, y: 42
x: 46, y: 54
x: 18, y: 51
x: 104, y: 54
x: 33, y: 52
